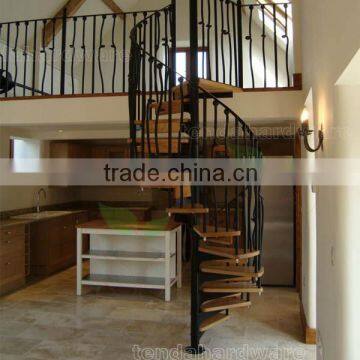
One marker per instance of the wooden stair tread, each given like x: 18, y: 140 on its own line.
x: 163, y: 125
x: 212, y: 321
x: 176, y: 106
x: 227, y: 302
x: 220, y: 241
x: 211, y: 233
x: 240, y: 270
x: 216, y: 250
x: 230, y: 286
x: 210, y: 86
x: 229, y: 253
x: 187, y: 210
x: 230, y: 262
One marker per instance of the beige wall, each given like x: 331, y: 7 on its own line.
x: 251, y: 106
x: 331, y: 37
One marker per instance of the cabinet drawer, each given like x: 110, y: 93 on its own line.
x: 11, y: 267
x: 12, y: 231
x: 12, y: 245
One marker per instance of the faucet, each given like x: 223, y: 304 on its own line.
x: 42, y: 190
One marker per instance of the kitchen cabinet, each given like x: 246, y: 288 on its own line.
x: 12, y: 258
x: 53, y: 243
x: 83, y: 150
x: 69, y: 150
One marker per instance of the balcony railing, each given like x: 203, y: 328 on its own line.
x: 68, y: 55
x: 247, y: 46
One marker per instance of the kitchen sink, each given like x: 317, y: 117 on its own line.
x: 41, y: 215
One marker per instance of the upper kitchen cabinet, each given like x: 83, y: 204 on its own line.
x: 67, y: 149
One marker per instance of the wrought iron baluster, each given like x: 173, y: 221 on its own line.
x: 101, y: 47
x: 240, y: 40
x: 158, y: 110
x: 151, y: 60
x: 7, y: 57
x: 157, y: 47
x: 263, y: 35
x: 52, y: 49
x: 63, y: 53
x: 227, y: 114
x: 250, y: 39
x: 249, y: 245
x: 1, y: 55
x: 202, y: 24
x: 93, y: 55
x: 166, y: 49
x: 15, y: 56
x: 208, y: 29
x: 216, y: 41
x: 237, y: 190
x: 181, y: 81
x: 276, y: 48
x: 34, y: 59
x: 286, y: 37
x: 223, y: 33
x: 144, y: 81
x: 113, y: 45
x: 72, y: 46
x: 25, y: 53
x: 43, y: 51
x: 139, y: 116
x: 216, y: 105
x: 83, y: 47
x: 228, y: 33
x: 124, y: 57
x: 245, y: 193
x: 234, y: 30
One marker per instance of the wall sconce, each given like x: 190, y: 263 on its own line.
x: 305, y: 132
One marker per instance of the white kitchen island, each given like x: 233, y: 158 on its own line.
x: 139, y: 255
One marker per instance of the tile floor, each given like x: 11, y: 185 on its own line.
x: 48, y: 321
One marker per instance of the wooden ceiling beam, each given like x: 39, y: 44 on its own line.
x: 114, y: 7
x: 71, y: 6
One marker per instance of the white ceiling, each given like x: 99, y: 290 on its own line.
x: 12, y: 10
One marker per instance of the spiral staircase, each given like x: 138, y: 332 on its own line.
x: 226, y: 224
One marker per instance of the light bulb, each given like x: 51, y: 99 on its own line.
x: 305, y: 115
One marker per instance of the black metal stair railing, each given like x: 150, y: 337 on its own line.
x: 247, y: 45
x: 218, y: 132
x: 69, y: 55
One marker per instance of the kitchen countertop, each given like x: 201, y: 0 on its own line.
x: 115, y: 224
x: 19, y: 220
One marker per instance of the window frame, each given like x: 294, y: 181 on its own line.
x: 187, y: 52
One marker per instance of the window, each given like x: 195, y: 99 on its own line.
x: 183, y: 62
x: 22, y: 150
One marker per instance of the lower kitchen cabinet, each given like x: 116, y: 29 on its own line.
x: 53, y: 244
x: 12, y: 258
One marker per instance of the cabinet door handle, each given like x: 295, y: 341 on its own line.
x: 8, y: 241
x: 65, y: 227
x: 8, y: 263
x: 8, y: 233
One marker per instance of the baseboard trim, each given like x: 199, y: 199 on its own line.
x: 309, y: 333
